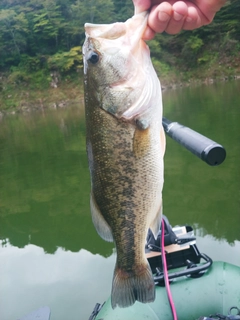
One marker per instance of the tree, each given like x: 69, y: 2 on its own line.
x: 33, y: 31
x: 13, y: 26
x: 124, y: 9
x: 48, y: 22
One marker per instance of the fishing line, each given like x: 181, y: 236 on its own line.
x: 165, y: 272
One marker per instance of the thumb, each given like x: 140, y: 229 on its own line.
x: 141, y: 5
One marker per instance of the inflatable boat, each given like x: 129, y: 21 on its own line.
x: 216, y: 295
x: 200, y: 288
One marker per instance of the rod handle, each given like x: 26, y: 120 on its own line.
x: 204, y: 148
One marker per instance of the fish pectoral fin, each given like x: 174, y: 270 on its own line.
x: 141, y: 142
x: 156, y: 223
x: 163, y: 140
x: 99, y: 222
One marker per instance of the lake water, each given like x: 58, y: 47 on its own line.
x: 51, y: 254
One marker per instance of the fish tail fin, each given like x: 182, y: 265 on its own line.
x: 129, y: 287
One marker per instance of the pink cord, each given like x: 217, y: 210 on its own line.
x: 170, y: 299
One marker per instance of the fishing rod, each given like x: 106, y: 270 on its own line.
x: 204, y: 148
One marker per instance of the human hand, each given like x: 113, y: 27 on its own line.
x: 172, y: 16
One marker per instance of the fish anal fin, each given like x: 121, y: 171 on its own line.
x: 99, y: 222
x: 156, y: 222
x: 129, y: 287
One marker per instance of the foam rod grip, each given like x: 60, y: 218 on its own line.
x: 204, y: 148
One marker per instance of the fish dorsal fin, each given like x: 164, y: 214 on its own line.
x: 156, y: 222
x: 99, y: 222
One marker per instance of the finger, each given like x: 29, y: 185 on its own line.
x: 160, y: 16
x: 148, y: 34
x: 141, y: 5
x: 193, y: 19
x: 179, y: 14
x: 209, y: 9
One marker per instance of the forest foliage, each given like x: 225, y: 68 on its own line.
x: 39, y: 37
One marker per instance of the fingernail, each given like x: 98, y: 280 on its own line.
x: 163, y: 16
x: 177, y: 16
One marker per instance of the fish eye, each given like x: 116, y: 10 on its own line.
x: 93, y: 57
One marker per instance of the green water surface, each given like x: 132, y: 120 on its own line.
x: 51, y: 254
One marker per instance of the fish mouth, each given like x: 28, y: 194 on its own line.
x: 128, y: 33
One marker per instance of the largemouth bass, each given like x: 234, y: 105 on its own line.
x: 125, y: 147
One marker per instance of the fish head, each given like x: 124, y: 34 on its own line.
x: 116, y: 63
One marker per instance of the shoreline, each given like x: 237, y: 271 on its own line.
x: 40, y: 104
x: 198, y: 82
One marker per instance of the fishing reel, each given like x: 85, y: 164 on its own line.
x: 181, y: 251
x: 170, y: 236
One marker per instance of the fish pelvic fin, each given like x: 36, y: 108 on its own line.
x: 129, y: 287
x: 102, y: 227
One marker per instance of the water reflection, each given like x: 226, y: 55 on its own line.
x: 44, y: 186
x: 51, y: 253
x: 219, y: 250
x: 69, y: 282
x: 195, y: 192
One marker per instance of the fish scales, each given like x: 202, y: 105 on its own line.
x: 126, y: 167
